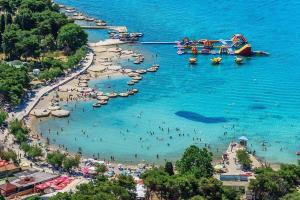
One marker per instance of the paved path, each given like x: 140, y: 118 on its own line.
x: 9, y: 142
x: 32, y: 103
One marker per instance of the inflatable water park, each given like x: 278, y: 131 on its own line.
x: 237, y: 45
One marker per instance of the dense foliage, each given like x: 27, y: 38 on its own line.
x: 55, y: 158
x: 3, y: 116
x: 244, y: 159
x: 193, y: 181
x: 9, y: 155
x: 270, y: 184
x: 31, y: 30
x: 196, y: 161
x: 21, y: 136
x: 70, y: 162
x: 121, y: 188
x: 12, y: 82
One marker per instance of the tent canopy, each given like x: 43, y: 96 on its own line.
x: 243, y: 138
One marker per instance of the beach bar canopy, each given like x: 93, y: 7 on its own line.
x: 243, y: 138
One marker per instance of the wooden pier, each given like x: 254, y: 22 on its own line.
x: 158, y: 42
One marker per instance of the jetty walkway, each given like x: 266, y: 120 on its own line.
x: 121, y: 29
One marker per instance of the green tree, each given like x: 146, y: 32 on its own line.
x: 269, y: 185
x: 127, y: 183
x: 9, y: 155
x: 25, y: 19
x: 2, y: 23
x: 230, y: 193
x: 101, y: 169
x: 169, y: 168
x: 3, y: 116
x: 71, y: 162
x: 291, y: 196
x: 62, y: 196
x: 2, y: 197
x: 34, y: 198
x: 196, y: 161
x: 8, y: 19
x: 55, y: 158
x: 29, y: 46
x: 35, y: 152
x: 48, y: 43
x: 5, y: 5
x: 244, y: 158
x: 9, y: 40
x: 51, y: 73
x: 34, y: 5
x: 71, y: 37
x: 211, y: 188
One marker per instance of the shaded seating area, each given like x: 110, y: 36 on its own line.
x: 57, y: 184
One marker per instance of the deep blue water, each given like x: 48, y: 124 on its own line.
x: 182, y: 104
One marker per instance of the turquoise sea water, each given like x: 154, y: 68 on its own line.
x: 259, y: 99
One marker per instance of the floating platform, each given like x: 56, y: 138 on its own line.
x: 237, y: 45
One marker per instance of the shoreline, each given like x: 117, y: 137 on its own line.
x: 32, y: 123
x: 97, y: 71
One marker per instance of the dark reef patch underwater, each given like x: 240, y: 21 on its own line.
x: 201, y: 118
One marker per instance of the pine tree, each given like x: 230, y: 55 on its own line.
x: 2, y: 23
x: 8, y: 19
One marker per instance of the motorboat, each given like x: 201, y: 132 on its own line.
x: 130, y: 83
x: 103, y: 102
x: 97, y: 105
x: 123, y: 94
x: 152, y: 69
x: 112, y: 95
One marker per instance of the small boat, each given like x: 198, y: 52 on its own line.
x: 156, y: 65
x: 135, y: 90
x: 298, y: 153
x: 112, y: 95
x: 152, y: 69
x: 103, y: 98
x: 97, y: 105
x: 90, y: 19
x: 216, y: 60
x: 130, y: 83
x: 103, y: 102
x: 137, y: 61
x: 141, y: 71
x: 130, y: 92
x: 136, y: 34
x: 238, y: 60
x: 135, y: 81
x: 137, y: 78
x: 70, y: 10
x: 101, y: 24
x: 123, y: 94
x: 193, y: 61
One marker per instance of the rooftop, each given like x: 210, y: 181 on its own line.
x: 32, y: 179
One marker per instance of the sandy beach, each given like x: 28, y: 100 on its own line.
x: 104, y: 66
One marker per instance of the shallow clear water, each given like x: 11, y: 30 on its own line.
x: 259, y: 99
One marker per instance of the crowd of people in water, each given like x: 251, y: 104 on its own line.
x: 163, y: 134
